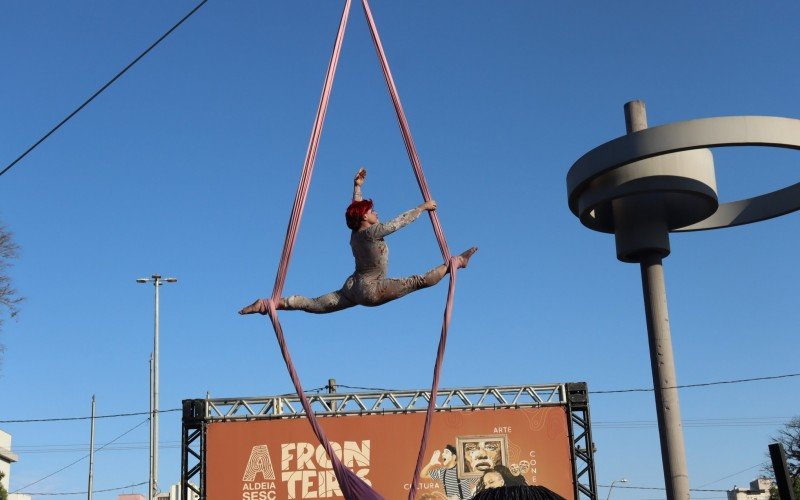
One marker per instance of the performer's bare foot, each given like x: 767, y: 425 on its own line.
x: 463, y: 259
x: 259, y: 306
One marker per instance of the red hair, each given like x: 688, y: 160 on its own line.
x: 356, y: 212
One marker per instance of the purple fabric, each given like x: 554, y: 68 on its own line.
x: 353, y: 488
x: 351, y: 485
x: 416, y: 164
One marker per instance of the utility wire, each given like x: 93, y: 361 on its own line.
x: 316, y: 389
x: 650, y: 389
x: 83, y: 457
x: 115, y: 415
x: 699, y: 488
x: 697, y: 422
x: 706, y: 384
x: 651, y: 488
x: 81, y: 448
x: 734, y: 474
x: 636, y: 424
x: 364, y: 388
x: 108, y: 84
x: 383, y: 389
x: 85, y: 492
x: 62, y: 419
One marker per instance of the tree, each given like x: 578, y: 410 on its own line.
x: 773, y: 492
x: 9, y: 300
x: 789, y: 437
x: 3, y: 492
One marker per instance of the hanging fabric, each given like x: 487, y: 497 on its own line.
x: 352, y: 487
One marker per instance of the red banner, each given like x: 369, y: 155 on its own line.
x: 468, y: 450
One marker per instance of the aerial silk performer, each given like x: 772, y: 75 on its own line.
x: 368, y: 285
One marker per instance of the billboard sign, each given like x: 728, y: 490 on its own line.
x: 279, y: 459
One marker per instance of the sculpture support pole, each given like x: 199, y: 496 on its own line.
x: 668, y: 408
x: 670, y: 428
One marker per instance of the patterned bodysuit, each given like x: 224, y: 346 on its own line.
x: 368, y: 285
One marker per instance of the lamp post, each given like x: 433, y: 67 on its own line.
x: 91, y: 455
x: 157, y: 281
x: 612, y: 486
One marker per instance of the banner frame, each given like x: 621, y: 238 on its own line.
x: 198, y: 413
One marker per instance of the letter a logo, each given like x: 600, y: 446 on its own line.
x: 259, y: 462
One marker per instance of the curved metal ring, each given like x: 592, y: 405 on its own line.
x: 695, y: 134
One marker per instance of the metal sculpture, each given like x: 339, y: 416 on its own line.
x: 654, y: 181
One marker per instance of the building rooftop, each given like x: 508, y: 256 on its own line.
x: 5, y: 448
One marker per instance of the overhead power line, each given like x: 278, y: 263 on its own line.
x: 658, y: 488
x: 705, y: 384
x: 379, y: 389
x: 615, y: 391
x: 82, y: 458
x: 617, y: 424
x: 318, y: 389
x: 64, y: 419
x: 116, y: 415
x: 85, y: 492
x: 698, y: 422
x: 104, y: 87
x: 82, y: 447
x: 731, y: 475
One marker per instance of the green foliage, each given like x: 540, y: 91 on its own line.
x: 773, y: 492
x: 3, y: 492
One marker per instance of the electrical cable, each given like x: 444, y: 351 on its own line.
x: 699, y: 488
x: 316, y: 389
x: 383, y: 389
x: 115, y: 415
x: 104, y: 87
x: 63, y: 419
x: 82, y: 458
x: 618, y: 424
x: 735, y: 473
x: 85, y: 492
x: 706, y: 384
x: 651, y: 488
x: 379, y: 389
x: 698, y: 422
x: 82, y: 447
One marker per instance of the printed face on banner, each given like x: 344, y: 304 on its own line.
x: 481, y: 453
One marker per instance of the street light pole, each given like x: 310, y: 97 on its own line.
x: 157, y: 281
x: 150, y: 470
x: 612, y: 486
x: 91, y: 456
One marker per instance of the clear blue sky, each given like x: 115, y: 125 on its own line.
x: 187, y: 167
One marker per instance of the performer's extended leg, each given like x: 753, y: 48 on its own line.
x: 388, y: 289
x: 372, y: 294
x: 330, y: 302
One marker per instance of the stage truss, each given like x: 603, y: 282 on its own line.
x: 197, y: 413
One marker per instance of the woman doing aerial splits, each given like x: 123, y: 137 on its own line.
x: 368, y: 285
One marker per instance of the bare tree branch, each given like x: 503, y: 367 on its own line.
x: 9, y: 299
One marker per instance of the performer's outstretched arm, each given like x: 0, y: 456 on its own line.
x: 361, y: 176
x: 382, y: 229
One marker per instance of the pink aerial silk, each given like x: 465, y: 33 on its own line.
x: 351, y: 485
